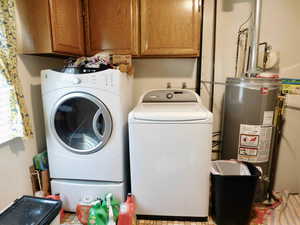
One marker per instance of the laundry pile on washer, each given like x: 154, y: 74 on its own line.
x: 99, y: 62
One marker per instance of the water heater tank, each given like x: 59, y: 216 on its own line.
x: 249, y: 106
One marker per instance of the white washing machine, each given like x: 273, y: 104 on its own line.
x: 170, y: 139
x: 86, y: 132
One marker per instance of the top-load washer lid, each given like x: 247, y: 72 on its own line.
x: 170, y: 105
x: 170, y: 112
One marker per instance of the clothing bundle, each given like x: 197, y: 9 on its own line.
x: 100, y: 61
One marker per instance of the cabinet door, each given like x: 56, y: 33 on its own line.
x: 67, y: 26
x: 112, y: 26
x: 170, y: 27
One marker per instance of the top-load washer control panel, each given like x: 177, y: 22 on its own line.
x: 170, y: 95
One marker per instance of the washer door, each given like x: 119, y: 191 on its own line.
x: 81, y: 123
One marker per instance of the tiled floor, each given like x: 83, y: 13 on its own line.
x: 71, y: 219
x: 286, y: 213
x: 162, y: 222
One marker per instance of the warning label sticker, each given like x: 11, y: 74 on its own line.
x: 254, y: 143
x: 249, y: 152
x: 249, y: 140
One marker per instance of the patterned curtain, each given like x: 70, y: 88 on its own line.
x: 18, y: 118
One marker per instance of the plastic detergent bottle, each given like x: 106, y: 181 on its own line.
x: 83, y: 209
x: 127, y: 214
x: 106, y: 213
x: 98, y: 215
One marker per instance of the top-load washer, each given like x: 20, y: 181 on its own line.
x: 86, y: 132
x: 170, y: 141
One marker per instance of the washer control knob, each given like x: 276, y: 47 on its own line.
x: 170, y: 96
x: 76, y: 81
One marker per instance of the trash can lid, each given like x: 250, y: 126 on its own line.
x: 31, y: 211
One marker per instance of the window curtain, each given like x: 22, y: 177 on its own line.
x: 14, y: 119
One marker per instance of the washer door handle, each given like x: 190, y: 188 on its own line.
x: 96, y: 116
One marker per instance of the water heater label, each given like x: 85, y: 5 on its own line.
x: 268, y: 118
x: 254, y: 143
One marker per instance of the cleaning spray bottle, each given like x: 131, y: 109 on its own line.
x: 111, y: 220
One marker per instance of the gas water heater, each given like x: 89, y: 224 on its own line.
x: 249, y: 106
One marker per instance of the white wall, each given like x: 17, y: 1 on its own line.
x: 288, y: 175
x: 156, y: 73
x: 280, y: 28
x: 16, y: 155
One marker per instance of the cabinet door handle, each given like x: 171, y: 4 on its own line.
x: 199, y: 5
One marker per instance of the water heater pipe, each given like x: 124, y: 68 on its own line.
x: 255, y: 33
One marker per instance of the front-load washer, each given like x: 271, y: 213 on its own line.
x: 170, y: 141
x: 86, y: 133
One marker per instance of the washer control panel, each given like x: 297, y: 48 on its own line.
x: 76, y: 80
x: 170, y: 95
x: 89, y: 80
x: 108, y: 80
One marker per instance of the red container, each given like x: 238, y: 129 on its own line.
x: 127, y: 214
x: 83, y: 211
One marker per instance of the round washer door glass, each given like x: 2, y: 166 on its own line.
x: 82, y: 123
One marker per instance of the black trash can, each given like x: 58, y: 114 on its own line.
x: 233, y: 196
x: 32, y: 211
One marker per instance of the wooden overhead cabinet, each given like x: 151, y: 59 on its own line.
x: 157, y: 28
x: 51, y: 27
x: 170, y: 27
x: 112, y: 26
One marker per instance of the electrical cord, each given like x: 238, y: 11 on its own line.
x: 240, y: 33
x: 249, y: 17
x: 216, y: 134
x: 216, y: 143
